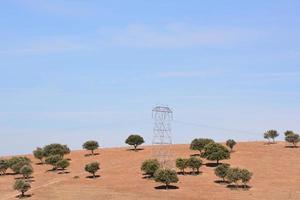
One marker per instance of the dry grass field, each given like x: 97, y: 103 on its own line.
x: 276, y: 176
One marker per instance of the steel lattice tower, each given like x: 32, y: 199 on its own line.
x: 162, y: 140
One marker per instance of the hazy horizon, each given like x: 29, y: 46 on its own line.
x: 77, y: 70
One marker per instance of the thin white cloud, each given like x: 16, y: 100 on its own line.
x: 170, y: 36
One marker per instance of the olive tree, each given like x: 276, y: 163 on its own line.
x: 292, y: 138
x: 271, y: 134
x: 150, y: 166
x: 56, y: 149
x: 53, y: 160
x: 166, y: 176
x: 91, y: 145
x: 26, y: 171
x: 194, y: 163
x: 92, y: 168
x: 3, y: 166
x: 221, y: 171
x: 198, y: 144
x: 234, y: 175
x: 135, y: 141
x: 230, y: 143
x: 39, y: 154
x: 215, y: 151
x: 182, y: 164
x: 16, y: 163
x: 63, y: 164
x: 245, y: 176
x: 22, y: 186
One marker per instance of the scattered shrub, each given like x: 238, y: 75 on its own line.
x: 182, y: 164
x: 221, y: 171
x: 92, y: 168
x: 26, y: 171
x: 150, y: 166
x: 22, y: 186
x: 3, y: 166
x: 215, y: 151
x: 194, y: 163
x: 198, y: 144
x: 234, y: 175
x: 91, y: 145
x: 39, y: 154
x: 135, y: 141
x: 245, y: 176
x: 230, y: 143
x: 166, y: 176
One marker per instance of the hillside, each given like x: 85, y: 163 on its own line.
x: 275, y: 168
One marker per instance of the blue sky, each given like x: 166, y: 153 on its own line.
x: 77, y: 70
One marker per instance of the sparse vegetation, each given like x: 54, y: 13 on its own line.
x: 215, y: 151
x: 39, y: 154
x: 182, y: 164
x: 230, y: 143
x: 150, y: 166
x: 166, y: 176
x: 234, y: 175
x: 22, y: 186
x: 91, y: 145
x: 92, y: 168
x: 198, y: 144
x: 195, y: 164
x: 292, y: 138
x: 135, y: 141
x: 26, y: 171
x: 3, y: 166
x: 56, y: 149
x: 221, y: 171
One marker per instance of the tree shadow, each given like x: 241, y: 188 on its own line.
x: 221, y: 182
x: 24, y: 197
x: 63, y: 172
x: 92, y: 177
x: 68, y: 159
x: 19, y: 178
x: 190, y: 173
x: 212, y: 164
x: 39, y: 163
x: 89, y: 154
x: 237, y: 187
x: 137, y: 149
x: 291, y: 147
x: 196, y: 154
x: 163, y: 187
x: 10, y: 174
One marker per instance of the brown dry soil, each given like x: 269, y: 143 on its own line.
x: 276, y: 176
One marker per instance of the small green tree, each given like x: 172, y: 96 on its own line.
x: 150, y: 166
x: 17, y: 162
x: 215, y: 151
x: 92, y: 168
x: 292, y: 138
x: 267, y: 136
x: 230, y: 143
x: 53, y: 160
x: 245, y: 176
x: 194, y: 163
x: 26, y: 171
x: 135, y: 141
x: 56, y: 149
x: 166, y: 176
x: 221, y: 171
x: 198, y: 144
x: 91, y: 145
x: 271, y: 134
x: 3, y: 166
x: 22, y: 186
x: 63, y: 164
x: 182, y: 164
x: 39, y: 154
